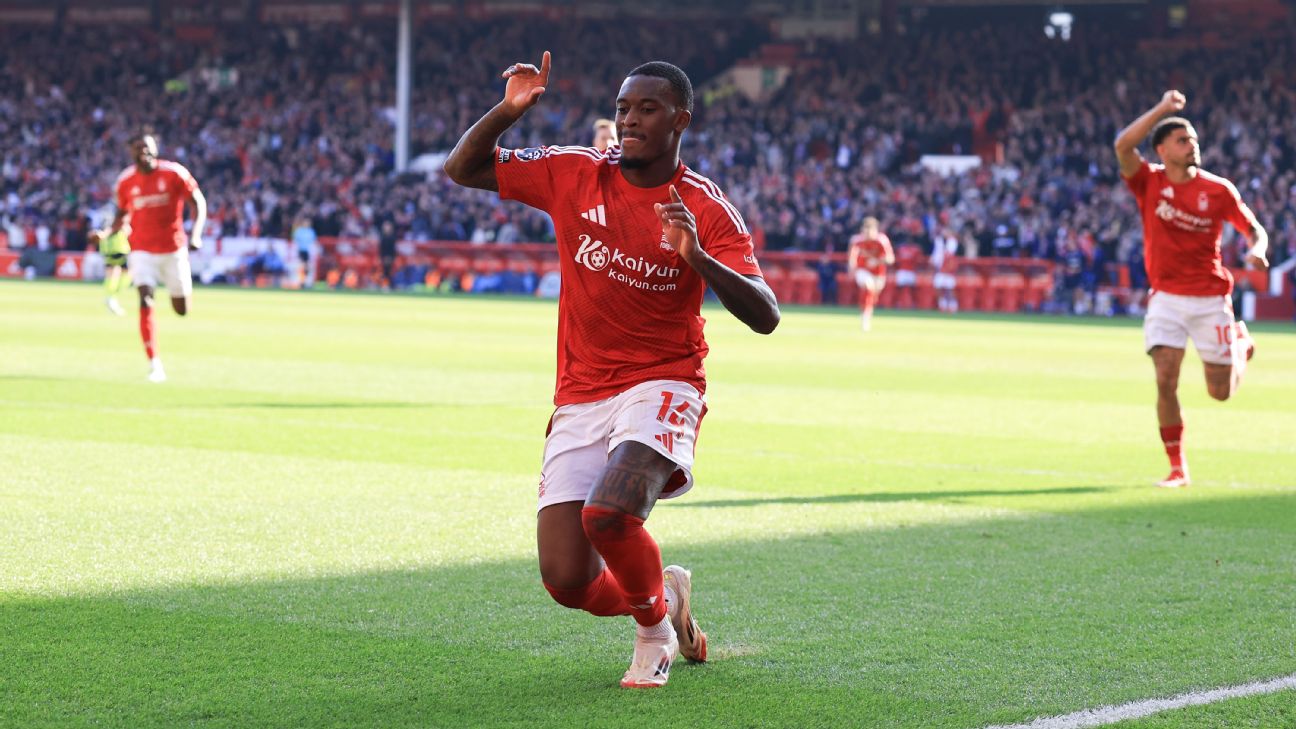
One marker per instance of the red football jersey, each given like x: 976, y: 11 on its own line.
x: 1181, y: 229
x: 154, y: 201
x: 878, y: 249
x: 907, y: 257
x: 629, y: 309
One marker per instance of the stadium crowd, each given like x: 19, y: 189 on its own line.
x: 281, y: 124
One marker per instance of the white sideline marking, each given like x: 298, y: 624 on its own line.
x: 1138, y: 709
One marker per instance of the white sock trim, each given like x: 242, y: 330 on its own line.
x: 660, y: 631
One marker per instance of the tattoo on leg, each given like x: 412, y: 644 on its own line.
x: 625, y: 490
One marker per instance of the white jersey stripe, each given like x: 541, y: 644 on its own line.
x: 551, y: 151
x: 715, y: 190
x: 730, y: 210
x: 574, y: 150
x: 586, y: 151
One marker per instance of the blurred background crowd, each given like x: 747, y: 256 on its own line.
x: 289, y: 127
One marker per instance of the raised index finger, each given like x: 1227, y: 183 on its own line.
x: 544, y: 69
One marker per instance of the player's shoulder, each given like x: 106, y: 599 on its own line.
x: 702, y: 186
x: 125, y: 175
x: 173, y: 167
x: 561, y: 153
x: 705, y: 196
x: 1214, y: 180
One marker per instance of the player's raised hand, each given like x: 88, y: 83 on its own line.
x: 1256, y: 258
x: 526, y: 84
x: 679, y: 226
x: 1173, y: 100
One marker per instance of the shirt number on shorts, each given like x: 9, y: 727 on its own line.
x: 673, y: 416
x: 1223, y: 333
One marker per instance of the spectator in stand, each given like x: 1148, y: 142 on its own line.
x: 944, y: 259
x: 296, y: 121
x: 907, y: 258
x: 387, y: 252
x: 306, y: 243
x: 604, y: 134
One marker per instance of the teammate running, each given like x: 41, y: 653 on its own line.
x: 640, y: 236
x: 1184, y: 209
x: 153, y: 193
x: 114, y: 249
x: 870, y: 254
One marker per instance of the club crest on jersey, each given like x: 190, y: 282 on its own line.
x: 1167, y: 191
x: 1203, y: 202
x: 160, y: 185
x: 530, y: 154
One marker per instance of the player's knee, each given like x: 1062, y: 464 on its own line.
x: 568, y: 595
x: 1219, y: 391
x: 1167, y: 379
x: 603, y: 525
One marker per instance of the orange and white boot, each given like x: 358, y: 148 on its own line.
x: 692, y: 641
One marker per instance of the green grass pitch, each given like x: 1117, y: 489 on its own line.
x: 325, y: 518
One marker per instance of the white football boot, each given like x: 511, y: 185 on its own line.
x: 650, y: 667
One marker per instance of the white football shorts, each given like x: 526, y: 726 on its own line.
x: 868, y: 280
x: 1171, y: 319
x: 664, y: 415
x: 171, y: 269
x: 944, y: 281
x: 906, y: 278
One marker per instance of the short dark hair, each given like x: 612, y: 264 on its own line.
x: 140, y: 134
x: 1167, y: 125
x: 679, y: 80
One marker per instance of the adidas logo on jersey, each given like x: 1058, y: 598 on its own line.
x: 596, y: 215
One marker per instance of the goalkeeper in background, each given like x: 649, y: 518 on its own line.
x: 114, y: 249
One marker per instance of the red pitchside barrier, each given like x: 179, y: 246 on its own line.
x: 984, y: 284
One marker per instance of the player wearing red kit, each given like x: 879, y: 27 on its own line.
x: 870, y: 254
x: 1184, y: 209
x: 153, y: 193
x: 640, y: 237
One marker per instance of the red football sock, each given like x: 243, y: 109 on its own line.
x: 602, y: 596
x: 867, y: 299
x: 146, y: 331
x: 1172, y: 438
x: 633, y: 558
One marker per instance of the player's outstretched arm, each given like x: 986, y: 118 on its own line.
x: 119, y: 221
x: 199, y: 202
x: 472, y: 162
x: 1258, y: 255
x: 747, y: 297
x: 1128, y: 140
